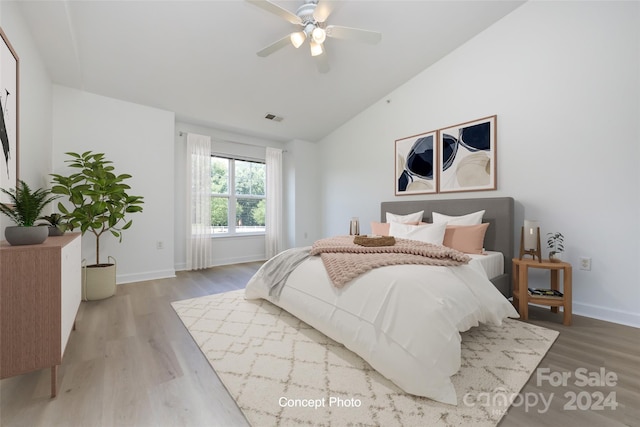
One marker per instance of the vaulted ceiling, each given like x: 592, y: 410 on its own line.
x: 198, y: 58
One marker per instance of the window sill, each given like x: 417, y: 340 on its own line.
x: 236, y: 235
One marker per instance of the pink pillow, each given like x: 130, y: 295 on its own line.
x: 466, y: 238
x: 380, y: 228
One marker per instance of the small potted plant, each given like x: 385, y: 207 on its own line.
x: 555, y: 242
x: 25, y: 209
x: 56, y: 224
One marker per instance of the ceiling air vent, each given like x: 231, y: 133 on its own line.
x: 273, y: 117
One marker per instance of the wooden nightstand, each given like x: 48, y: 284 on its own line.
x: 521, y: 297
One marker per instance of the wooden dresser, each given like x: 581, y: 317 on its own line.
x: 40, y: 291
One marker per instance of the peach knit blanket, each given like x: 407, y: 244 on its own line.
x: 345, y: 260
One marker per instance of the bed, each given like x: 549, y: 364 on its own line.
x: 404, y: 320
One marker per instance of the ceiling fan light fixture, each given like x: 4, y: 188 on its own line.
x: 318, y: 35
x: 316, y: 48
x: 311, y: 19
x: 298, y: 38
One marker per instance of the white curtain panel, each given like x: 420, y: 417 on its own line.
x: 199, y: 201
x: 273, y: 218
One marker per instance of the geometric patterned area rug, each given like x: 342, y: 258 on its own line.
x: 280, y: 371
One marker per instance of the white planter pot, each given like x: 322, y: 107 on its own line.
x: 98, y: 281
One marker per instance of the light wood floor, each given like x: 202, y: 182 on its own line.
x: 131, y: 362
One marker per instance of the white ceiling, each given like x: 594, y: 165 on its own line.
x: 198, y: 58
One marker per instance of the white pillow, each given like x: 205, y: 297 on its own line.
x: 413, y: 218
x: 429, y: 233
x: 469, y: 219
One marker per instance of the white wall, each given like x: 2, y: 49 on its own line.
x: 35, y: 105
x: 563, y: 78
x: 139, y: 141
x: 302, y: 186
x: 224, y: 250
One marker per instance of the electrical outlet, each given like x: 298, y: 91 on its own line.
x: 585, y: 263
x: 159, y: 244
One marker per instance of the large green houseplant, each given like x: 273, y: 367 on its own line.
x: 25, y: 209
x: 100, y: 204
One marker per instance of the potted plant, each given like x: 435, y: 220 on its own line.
x: 55, y: 222
x: 555, y: 242
x: 24, y: 211
x: 101, y: 204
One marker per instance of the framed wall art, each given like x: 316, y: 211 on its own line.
x: 9, y: 64
x: 468, y: 159
x: 416, y: 170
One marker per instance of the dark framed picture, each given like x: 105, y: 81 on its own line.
x: 9, y: 84
x: 468, y: 156
x: 416, y: 169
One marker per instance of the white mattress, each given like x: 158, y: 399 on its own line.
x: 491, y: 262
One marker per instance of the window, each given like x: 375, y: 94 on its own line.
x: 237, y: 196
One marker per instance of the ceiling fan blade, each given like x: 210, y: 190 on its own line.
x: 277, y: 10
x: 322, y: 63
x: 286, y: 40
x: 347, y: 33
x: 326, y: 8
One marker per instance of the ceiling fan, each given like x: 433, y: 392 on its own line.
x: 311, y: 17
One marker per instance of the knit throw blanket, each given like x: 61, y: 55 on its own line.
x: 345, y: 260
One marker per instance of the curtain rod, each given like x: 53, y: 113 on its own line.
x: 183, y: 133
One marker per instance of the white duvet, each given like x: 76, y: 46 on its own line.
x: 404, y: 320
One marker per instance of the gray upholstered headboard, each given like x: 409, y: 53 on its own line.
x: 498, y: 213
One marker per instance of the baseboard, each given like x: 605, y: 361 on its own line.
x: 141, y: 277
x: 607, y: 314
x: 225, y: 261
x: 601, y: 313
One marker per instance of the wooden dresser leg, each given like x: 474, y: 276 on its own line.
x: 54, y: 381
